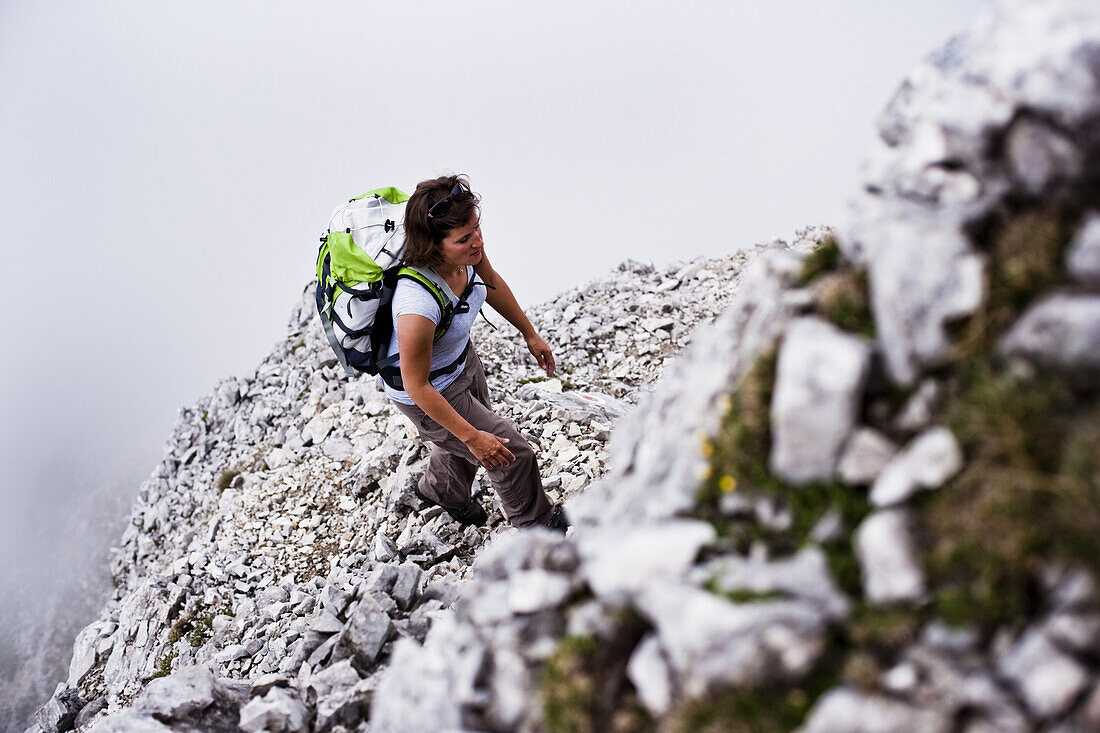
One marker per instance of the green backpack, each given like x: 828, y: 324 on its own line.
x: 358, y: 266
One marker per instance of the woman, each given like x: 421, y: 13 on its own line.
x: 442, y: 382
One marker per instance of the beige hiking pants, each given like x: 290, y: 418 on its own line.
x: 451, y: 467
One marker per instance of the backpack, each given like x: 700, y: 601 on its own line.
x: 358, y: 266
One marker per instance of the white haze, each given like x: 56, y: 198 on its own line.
x: 166, y: 168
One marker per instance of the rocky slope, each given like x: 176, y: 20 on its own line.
x: 866, y: 499
x: 278, y: 542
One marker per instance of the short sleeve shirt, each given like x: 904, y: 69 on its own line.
x: 410, y: 297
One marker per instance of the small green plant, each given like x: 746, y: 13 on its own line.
x: 202, y: 629
x: 844, y: 299
x: 824, y: 258
x: 568, y: 689
x: 164, y: 666
x: 584, y: 686
x: 226, y: 479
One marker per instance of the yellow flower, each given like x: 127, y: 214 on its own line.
x: 707, y: 449
x: 727, y: 483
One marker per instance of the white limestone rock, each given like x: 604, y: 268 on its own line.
x: 619, y: 562
x: 1083, y: 256
x: 1061, y: 329
x: 278, y: 711
x: 846, y: 711
x: 884, y: 547
x: 179, y: 694
x: 927, y: 462
x: 714, y: 644
x: 818, y: 387
x: 804, y: 577
x: 864, y: 455
x: 648, y: 672
x: 1047, y: 679
x: 530, y: 591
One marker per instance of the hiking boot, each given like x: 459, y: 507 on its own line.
x: 558, y: 521
x: 472, y: 513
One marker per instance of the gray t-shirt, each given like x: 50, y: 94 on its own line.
x: 412, y: 297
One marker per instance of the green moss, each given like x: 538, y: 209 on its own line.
x: 226, y: 478
x: 202, y: 629
x: 568, y: 690
x: 741, y: 595
x: 584, y: 686
x: 180, y: 627
x: 164, y: 666
x: 1027, y: 251
x: 1029, y: 493
x: 824, y: 258
x: 844, y: 299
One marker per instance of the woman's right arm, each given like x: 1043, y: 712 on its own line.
x: 415, y: 338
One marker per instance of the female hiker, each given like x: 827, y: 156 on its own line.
x: 439, y: 382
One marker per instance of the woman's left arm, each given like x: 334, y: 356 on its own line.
x: 500, y: 297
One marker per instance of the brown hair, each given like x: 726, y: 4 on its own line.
x: 424, y: 234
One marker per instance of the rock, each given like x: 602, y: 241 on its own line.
x: 367, y: 629
x: 89, y: 711
x: 864, y: 456
x: 431, y: 687
x: 1083, y: 256
x: 265, y: 683
x: 326, y: 623
x: 649, y: 674
x: 819, y: 383
x: 337, y: 448
x: 535, y: 590
x: 926, y: 277
x: 405, y: 586
x: 176, y: 696
x: 509, y: 690
x: 921, y: 406
x: 625, y: 560
x: 278, y: 711
x: 805, y: 577
x: 128, y: 721
x: 319, y: 427
x: 885, y: 550
x: 1060, y: 330
x: 60, y: 712
x: 86, y: 651
x: 1047, y: 679
x: 846, y: 711
x: 1040, y: 156
x: 713, y: 644
x: 926, y: 463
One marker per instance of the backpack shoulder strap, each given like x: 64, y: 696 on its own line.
x: 437, y: 286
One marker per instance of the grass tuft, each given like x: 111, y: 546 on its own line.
x: 226, y: 478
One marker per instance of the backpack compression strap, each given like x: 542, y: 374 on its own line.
x: 323, y: 297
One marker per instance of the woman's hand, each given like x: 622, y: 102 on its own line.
x: 490, y: 450
x: 542, y: 353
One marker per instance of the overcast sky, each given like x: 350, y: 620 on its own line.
x: 166, y: 169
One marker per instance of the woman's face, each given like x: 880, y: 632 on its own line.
x: 463, y: 245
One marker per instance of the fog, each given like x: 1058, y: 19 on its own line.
x: 166, y: 169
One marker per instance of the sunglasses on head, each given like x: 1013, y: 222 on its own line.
x: 441, y: 207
